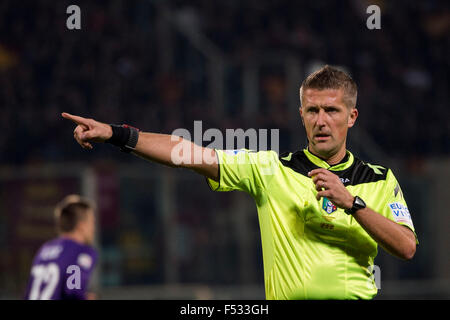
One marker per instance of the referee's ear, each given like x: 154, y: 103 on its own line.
x: 352, y: 117
x: 301, y: 115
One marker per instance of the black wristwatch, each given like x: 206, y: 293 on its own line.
x: 358, y: 203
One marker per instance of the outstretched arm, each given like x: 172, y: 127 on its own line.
x: 166, y: 149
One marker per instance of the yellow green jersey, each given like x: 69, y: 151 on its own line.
x: 312, y: 249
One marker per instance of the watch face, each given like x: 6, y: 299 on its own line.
x: 359, y: 203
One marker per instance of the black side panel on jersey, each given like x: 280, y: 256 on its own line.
x: 359, y: 172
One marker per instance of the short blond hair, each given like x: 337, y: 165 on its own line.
x: 329, y: 77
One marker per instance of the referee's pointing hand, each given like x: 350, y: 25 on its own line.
x: 88, y: 130
x: 329, y: 185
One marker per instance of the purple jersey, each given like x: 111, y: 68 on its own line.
x: 61, y: 270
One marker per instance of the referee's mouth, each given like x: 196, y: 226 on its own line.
x: 322, y: 136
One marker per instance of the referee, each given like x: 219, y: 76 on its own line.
x: 322, y: 211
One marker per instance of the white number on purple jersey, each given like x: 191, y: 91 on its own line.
x: 47, y: 275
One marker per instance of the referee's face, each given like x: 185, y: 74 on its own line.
x: 326, y: 119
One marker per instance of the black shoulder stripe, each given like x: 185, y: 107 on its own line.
x: 359, y: 172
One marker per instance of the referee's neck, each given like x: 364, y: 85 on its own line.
x: 333, y: 159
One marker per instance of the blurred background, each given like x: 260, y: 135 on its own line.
x: 161, y: 64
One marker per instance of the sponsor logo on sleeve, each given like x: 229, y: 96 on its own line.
x: 84, y: 260
x: 401, y: 213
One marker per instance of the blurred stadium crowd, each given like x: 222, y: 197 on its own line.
x: 111, y: 70
x: 114, y: 70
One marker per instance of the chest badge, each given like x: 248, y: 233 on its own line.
x: 328, y: 206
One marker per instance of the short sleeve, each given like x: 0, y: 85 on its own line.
x: 244, y: 170
x: 394, y: 206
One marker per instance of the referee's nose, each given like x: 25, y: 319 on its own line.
x: 320, y: 121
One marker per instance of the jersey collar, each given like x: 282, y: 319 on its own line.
x: 345, y: 163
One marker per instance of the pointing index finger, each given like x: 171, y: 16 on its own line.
x: 76, y: 119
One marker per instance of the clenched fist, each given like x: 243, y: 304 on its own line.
x: 89, y: 130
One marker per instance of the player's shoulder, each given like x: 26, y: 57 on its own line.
x: 73, y: 250
x: 50, y: 250
x: 80, y: 248
x: 83, y: 255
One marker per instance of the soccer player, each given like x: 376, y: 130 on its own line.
x: 62, y: 267
x: 322, y: 211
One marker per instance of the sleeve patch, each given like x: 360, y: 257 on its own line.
x: 84, y: 260
x: 401, y: 213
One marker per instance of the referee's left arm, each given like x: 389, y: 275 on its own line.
x: 396, y: 239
